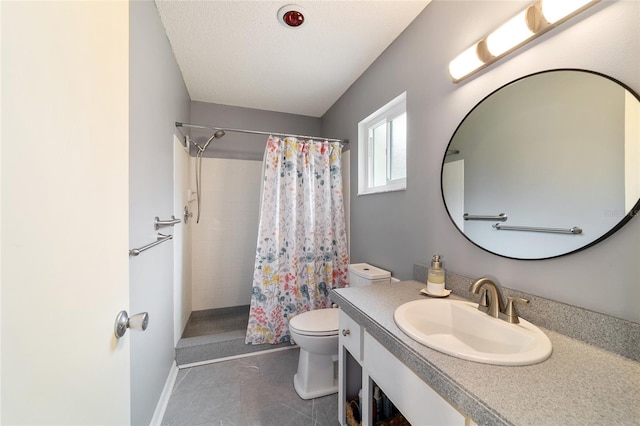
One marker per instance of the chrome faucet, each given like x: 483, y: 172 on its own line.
x: 492, y: 303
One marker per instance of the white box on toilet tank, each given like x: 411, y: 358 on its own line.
x: 361, y: 274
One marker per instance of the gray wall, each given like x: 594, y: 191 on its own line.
x: 158, y: 98
x: 241, y: 145
x: 396, y: 230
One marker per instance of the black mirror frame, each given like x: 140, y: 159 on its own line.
x: 634, y: 211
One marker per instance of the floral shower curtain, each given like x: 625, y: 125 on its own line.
x: 302, y: 244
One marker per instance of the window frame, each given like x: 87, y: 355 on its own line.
x: 391, y: 110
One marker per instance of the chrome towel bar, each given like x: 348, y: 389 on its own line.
x: 157, y: 223
x: 161, y: 239
x: 575, y: 230
x: 501, y: 217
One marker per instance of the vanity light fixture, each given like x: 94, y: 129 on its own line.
x: 532, y: 22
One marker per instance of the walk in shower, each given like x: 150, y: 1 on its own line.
x: 222, y: 244
x: 222, y: 257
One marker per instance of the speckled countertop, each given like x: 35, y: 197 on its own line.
x: 578, y: 385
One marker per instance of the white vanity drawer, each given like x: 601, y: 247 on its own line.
x: 350, y: 334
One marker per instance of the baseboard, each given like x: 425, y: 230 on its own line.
x: 164, y: 397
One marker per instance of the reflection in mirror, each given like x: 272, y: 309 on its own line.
x: 556, y: 152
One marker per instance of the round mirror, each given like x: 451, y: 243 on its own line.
x: 546, y: 165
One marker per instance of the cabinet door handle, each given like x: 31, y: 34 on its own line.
x: 345, y: 332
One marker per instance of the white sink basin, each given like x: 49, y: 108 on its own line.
x: 459, y: 329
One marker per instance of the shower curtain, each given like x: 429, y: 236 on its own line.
x: 302, y: 244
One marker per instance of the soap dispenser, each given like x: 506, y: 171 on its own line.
x: 435, y: 276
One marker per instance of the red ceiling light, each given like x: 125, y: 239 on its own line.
x: 291, y: 16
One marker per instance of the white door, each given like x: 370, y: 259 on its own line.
x: 453, y: 188
x: 181, y: 240
x: 64, y: 212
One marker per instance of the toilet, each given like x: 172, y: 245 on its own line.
x: 316, y: 333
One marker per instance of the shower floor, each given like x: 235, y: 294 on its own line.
x: 216, y: 321
x: 217, y: 333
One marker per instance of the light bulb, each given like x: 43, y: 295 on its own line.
x: 555, y: 10
x: 465, y: 63
x: 510, y: 34
x: 537, y: 19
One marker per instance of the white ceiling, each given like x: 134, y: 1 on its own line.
x: 237, y: 53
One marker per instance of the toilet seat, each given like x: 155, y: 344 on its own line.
x: 320, y: 322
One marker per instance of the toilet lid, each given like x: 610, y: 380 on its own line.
x: 319, y: 322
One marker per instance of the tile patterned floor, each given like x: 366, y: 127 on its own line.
x: 256, y: 390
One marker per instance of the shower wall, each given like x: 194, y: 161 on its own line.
x: 223, y: 244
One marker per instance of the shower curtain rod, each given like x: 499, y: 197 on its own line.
x: 256, y: 132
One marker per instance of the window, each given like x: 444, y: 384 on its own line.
x: 382, y: 149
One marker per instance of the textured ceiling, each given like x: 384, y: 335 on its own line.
x: 237, y: 53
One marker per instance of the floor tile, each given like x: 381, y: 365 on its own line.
x: 256, y: 390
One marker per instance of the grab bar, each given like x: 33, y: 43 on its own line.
x: 501, y: 217
x: 161, y: 239
x: 157, y: 223
x: 575, y: 230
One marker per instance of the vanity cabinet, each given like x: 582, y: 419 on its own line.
x: 363, y: 361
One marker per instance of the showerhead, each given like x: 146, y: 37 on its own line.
x: 201, y: 149
x: 217, y: 135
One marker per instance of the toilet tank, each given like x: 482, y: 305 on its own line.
x: 361, y: 274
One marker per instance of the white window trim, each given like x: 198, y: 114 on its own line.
x: 392, y: 109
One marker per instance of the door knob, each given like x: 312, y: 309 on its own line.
x: 138, y: 322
